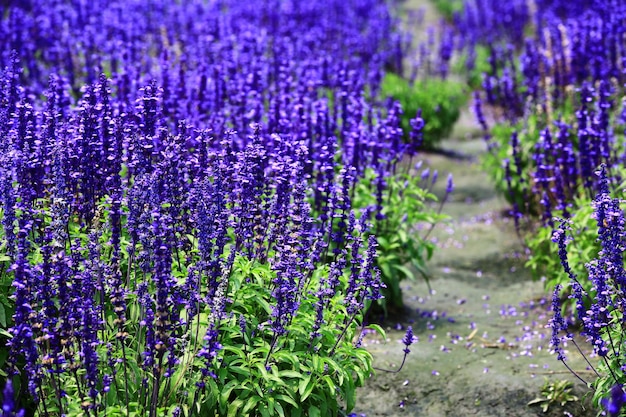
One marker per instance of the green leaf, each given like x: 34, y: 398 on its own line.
x: 3, y: 316
x: 350, y: 394
x: 290, y: 374
x: 241, y: 370
x: 329, y: 381
x: 264, y: 412
x: 287, y: 399
x: 317, y: 365
x: 250, y: 404
x: 233, y: 408
x: 285, y: 356
x: 378, y: 329
x: 308, y: 389
x: 280, y: 410
x: 303, y: 384
x: 225, y: 394
x: 261, y: 367
x: 402, y: 235
x: 405, y: 271
x: 314, y: 411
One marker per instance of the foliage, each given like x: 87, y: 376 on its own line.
x: 472, y: 64
x: 439, y: 100
x: 403, y: 250
x: 217, y: 350
x: 544, y: 254
x: 500, y: 150
x: 553, y: 393
x: 597, y: 295
x: 448, y: 7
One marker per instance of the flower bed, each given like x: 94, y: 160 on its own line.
x: 193, y: 195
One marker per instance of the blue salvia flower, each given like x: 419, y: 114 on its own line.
x: 601, y: 121
x: 372, y: 280
x: 23, y: 341
x: 577, y: 294
x: 147, y: 323
x: 407, y: 340
x: 209, y: 351
x: 566, y: 156
x: 584, y: 145
x: 9, y: 408
x: 449, y: 184
x: 285, y: 285
x: 544, y: 178
x: 610, y: 220
x: 557, y: 323
x: 250, y: 192
x: 480, y: 116
x: 353, y: 293
x: 517, y: 161
x: 339, y: 207
x: 416, y: 135
x: 530, y: 67
x: 7, y: 194
x: 560, y: 237
x: 88, y: 354
x: 614, y: 404
x: 597, y: 317
x: 446, y: 46
x: 434, y: 178
x: 507, y: 177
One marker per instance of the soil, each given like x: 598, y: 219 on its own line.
x: 483, y: 346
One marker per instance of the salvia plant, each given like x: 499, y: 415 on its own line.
x: 403, y: 249
x: 428, y: 81
x: 191, y: 195
x: 599, y: 309
x: 437, y: 102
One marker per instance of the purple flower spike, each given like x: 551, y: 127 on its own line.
x: 9, y: 408
x: 450, y: 184
x: 408, y: 339
x: 615, y: 404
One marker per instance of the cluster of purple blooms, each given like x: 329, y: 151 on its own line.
x: 537, y: 56
x: 599, y: 310
x: 144, y: 146
x: 559, y: 89
x: 431, y: 57
x: 568, y: 41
